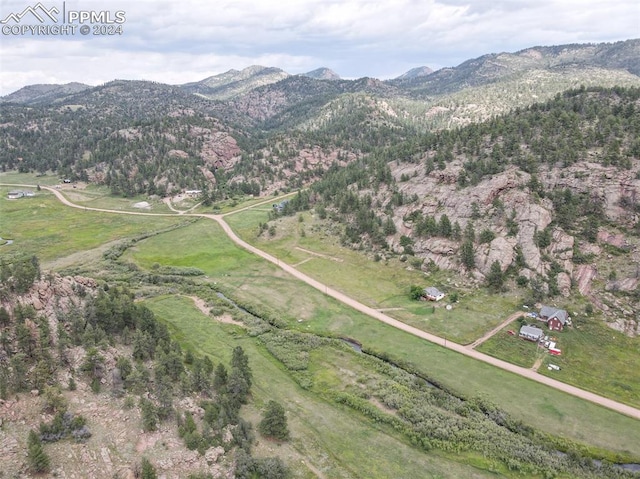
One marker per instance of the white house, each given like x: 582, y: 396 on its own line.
x: 433, y: 294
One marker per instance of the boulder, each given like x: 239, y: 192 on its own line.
x: 501, y: 249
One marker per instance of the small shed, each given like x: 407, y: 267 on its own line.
x: 432, y: 294
x: 531, y: 333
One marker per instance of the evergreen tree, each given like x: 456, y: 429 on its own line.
x: 149, y: 415
x: 495, y: 278
x: 444, y: 226
x: 147, y: 471
x: 38, y: 460
x: 4, y: 316
x: 467, y: 256
x: 237, y: 388
x: 240, y: 361
x: 220, y: 378
x: 274, y: 422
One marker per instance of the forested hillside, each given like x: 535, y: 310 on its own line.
x: 68, y: 339
x: 538, y: 196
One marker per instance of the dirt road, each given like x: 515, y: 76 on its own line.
x: 481, y: 340
x: 524, y: 372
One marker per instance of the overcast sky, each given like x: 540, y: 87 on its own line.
x: 188, y: 40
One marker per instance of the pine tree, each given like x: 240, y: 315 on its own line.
x: 467, y: 256
x: 274, y: 422
x: 149, y: 415
x: 220, y: 378
x: 147, y: 471
x: 495, y: 278
x: 240, y: 361
x: 38, y: 460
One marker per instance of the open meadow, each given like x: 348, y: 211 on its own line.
x: 41, y: 225
x: 252, y: 281
x: 383, y: 284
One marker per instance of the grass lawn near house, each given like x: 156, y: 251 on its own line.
x: 512, y: 349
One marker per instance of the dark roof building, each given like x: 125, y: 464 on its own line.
x: 554, y: 317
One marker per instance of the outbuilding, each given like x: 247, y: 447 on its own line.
x: 432, y: 294
x: 531, y: 333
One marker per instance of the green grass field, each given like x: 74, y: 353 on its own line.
x: 13, y: 177
x: 41, y: 225
x: 381, y: 285
x: 260, y: 283
x: 93, y: 196
x: 332, y: 440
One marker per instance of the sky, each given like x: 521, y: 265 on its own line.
x: 183, y: 41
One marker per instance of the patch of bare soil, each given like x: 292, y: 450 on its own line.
x: 202, y: 306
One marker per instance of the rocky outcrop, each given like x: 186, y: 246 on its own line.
x: 613, y: 239
x: 439, y: 250
x: 501, y: 249
x: 627, y: 284
x: 583, y: 274
x: 220, y: 150
x: 563, y: 282
x: 53, y: 292
x: 499, y: 202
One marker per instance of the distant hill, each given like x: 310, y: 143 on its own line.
x: 43, y: 93
x: 623, y: 57
x: 322, y: 74
x: 415, y: 73
x: 233, y: 82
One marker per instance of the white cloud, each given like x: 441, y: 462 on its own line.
x: 176, y: 42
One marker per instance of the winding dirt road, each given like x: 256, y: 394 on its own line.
x: 380, y: 316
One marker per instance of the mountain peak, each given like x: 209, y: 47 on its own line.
x: 415, y: 73
x: 235, y: 82
x: 322, y: 73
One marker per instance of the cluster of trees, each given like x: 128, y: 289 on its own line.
x: 427, y: 226
x: 17, y: 274
x: 432, y: 417
x: 152, y: 366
